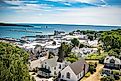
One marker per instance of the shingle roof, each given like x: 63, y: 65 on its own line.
x: 109, y: 58
x: 78, y: 66
x: 52, y: 62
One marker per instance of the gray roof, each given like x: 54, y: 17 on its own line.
x: 109, y: 58
x: 78, y: 66
x: 52, y: 62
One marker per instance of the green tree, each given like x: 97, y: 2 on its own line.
x: 108, y: 78
x: 75, y: 42
x: 72, y: 58
x: 13, y: 63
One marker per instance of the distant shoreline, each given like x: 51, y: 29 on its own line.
x: 8, y: 24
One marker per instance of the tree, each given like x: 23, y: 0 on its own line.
x: 81, y: 46
x: 101, y: 60
x: 72, y: 58
x: 54, y: 43
x: 61, y: 53
x: 107, y: 78
x: 112, y: 53
x: 75, y: 42
x: 90, y: 37
x: 13, y: 63
x: 92, y: 67
x: 51, y: 55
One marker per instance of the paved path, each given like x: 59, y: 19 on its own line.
x: 96, y: 75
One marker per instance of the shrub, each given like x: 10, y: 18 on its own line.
x: 88, y: 74
x: 107, y: 78
x: 116, y: 77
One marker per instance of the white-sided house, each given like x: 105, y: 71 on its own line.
x: 50, y: 67
x: 52, y: 48
x: 74, y: 71
x: 76, y: 51
x: 111, y: 63
x: 85, y: 51
x: 81, y: 52
x: 93, y: 43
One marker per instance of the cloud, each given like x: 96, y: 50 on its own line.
x: 43, y: 12
x: 88, y: 16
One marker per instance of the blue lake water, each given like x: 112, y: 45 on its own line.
x: 48, y: 29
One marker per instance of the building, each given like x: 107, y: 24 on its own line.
x: 81, y: 52
x: 111, y: 63
x: 52, y: 48
x: 74, y: 71
x: 50, y: 67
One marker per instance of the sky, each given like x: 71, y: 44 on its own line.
x: 83, y: 12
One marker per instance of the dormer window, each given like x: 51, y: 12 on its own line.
x: 112, y: 61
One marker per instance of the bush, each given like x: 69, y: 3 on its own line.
x: 88, y: 74
x: 107, y: 78
x: 92, y: 68
x: 116, y: 77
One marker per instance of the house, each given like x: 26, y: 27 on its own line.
x: 93, y: 43
x: 50, y: 67
x: 74, y: 71
x: 76, y: 50
x: 81, y: 52
x: 53, y: 48
x: 111, y: 63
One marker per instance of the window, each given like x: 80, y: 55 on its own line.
x: 112, y: 61
x: 45, y: 66
x: 55, y: 68
x: 59, y: 66
x: 80, y: 75
x: 48, y: 67
x: 68, y: 75
x: 42, y: 65
x: 62, y: 76
x: 54, y: 72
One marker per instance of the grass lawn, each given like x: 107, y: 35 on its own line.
x: 95, y: 56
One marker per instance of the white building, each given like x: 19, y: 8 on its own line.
x: 50, y: 67
x: 93, y: 43
x: 83, y: 51
x: 52, y: 48
x: 74, y: 71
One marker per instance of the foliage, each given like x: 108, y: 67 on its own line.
x: 88, y: 74
x: 107, y: 78
x: 101, y: 60
x: 13, y: 63
x: 112, y: 41
x: 64, y: 50
x: 51, y: 55
x: 72, y: 58
x: 90, y: 37
x: 115, y: 72
x: 54, y: 43
x: 75, y: 42
x: 81, y: 45
x: 96, y: 56
x: 92, y: 67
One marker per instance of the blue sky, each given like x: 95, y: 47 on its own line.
x: 89, y: 12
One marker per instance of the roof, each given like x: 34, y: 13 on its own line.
x: 52, y: 62
x: 109, y: 58
x: 78, y: 66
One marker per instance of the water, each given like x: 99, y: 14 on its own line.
x: 48, y: 29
